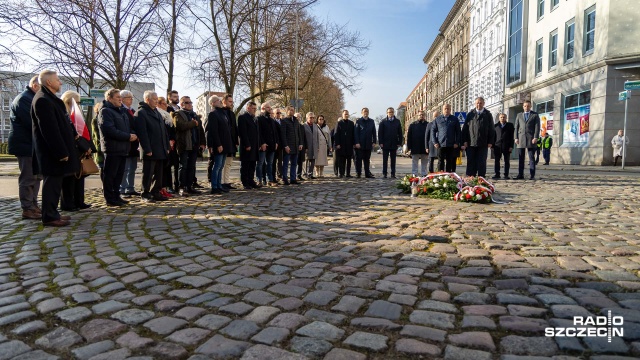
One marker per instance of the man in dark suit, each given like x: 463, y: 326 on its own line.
x: 416, y: 135
x: 504, y: 145
x: 54, y: 145
x: 227, y: 107
x: 527, y: 131
x: 249, y: 133
x: 154, y: 142
x: 292, y: 144
x: 365, y: 140
x: 445, y: 136
x: 269, y: 138
x: 277, y: 161
x: 431, y: 149
x: 344, y: 142
x: 390, y: 137
x: 478, y: 136
x: 219, y: 142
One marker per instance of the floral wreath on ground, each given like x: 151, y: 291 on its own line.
x: 449, y: 186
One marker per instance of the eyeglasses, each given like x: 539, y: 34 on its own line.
x: 278, y: 113
x: 187, y: 103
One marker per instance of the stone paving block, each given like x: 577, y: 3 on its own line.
x: 519, y: 345
x: 331, y: 318
x: 416, y: 348
x: 424, y: 332
x: 59, y: 339
x: 240, y: 329
x: 473, y: 339
x: 167, y: 350
x: 133, y: 341
x: 452, y: 352
x: 36, y: 355
x: 432, y: 318
x: 321, y: 330
x: 344, y: 354
x: 437, y: 306
x: 262, y: 314
x: 13, y: 348
x: 262, y: 352
x: 271, y: 336
x: 101, y: 329
x: 165, y: 325
x: 374, y: 323
x: 88, y: 351
x: 367, y: 341
x: 289, y: 321
x: 189, y: 336
x: 320, y: 297
x: 349, y: 304
x: 220, y: 347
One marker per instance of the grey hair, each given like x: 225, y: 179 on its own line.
x: 309, y: 114
x: 148, y: 94
x: 213, y: 98
x: 126, y: 93
x: 44, y: 76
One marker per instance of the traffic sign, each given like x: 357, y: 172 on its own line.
x: 297, y: 103
x: 624, y: 95
x: 462, y: 116
x: 97, y: 92
x: 87, y: 101
x: 632, y: 85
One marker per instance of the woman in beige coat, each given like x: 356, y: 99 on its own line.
x: 323, y: 146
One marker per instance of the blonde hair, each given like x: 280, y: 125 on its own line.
x: 111, y: 93
x: 66, y: 98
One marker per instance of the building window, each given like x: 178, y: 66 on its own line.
x: 570, y: 36
x: 539, y: 46
x: 514, y: 58
x: 553, y: 49
x: 554, y: 4
x: 540, y: 9
x: 579, y: 99
x: 589, y: 30
x: 544, y: 107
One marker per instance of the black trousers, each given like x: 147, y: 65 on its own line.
x: 432, y: 160
x: 277, y: 164
x: 344, y: 164
x: 335, y: 163
x: 112, y: 173
x: 364, y: 155
x: 72, y: 192
x: 51, y: 189
x: 188, y: 161
x: 247, y: 172
x: 477, y: 160
x: 171, y: 161
x: 209, y: 168
x: 532, y: 161
x: 152, y: 176
x: 301, y: 159
x: 500, y: 153
x: 447, y: 158
x: 385, y: 159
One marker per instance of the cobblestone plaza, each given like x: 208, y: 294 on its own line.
x: 328, y: 270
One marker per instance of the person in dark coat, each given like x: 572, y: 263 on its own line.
x: 154, y: 142
x: 292, y: 143
x: 431, y: 149
x: 302, y: 155
x: 390, y: 137
x: 277, y: 162
x: 478, y: 136
x: 189, y: 139
x: 503, y: 145
x: 54, y: 145
x: 344, y: 140
x: 227, y: 103
x: 527, y: 131
x: 172, y: 164
x: 249, y: 133
x: 269, y: 138
x: 416, y: 135
x: 446, y: 136
x: 365, y: 140
x: 219, y: 142
x: 116, y: 135
x: 21, y: 145
x: 127, y: 187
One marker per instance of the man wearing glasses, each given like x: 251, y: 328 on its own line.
x: 277, y: 163
x: 189, y: 137
x: 390, y: 137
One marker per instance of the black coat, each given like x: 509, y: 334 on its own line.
x: 291, y: 134
x: 134, y: 151
x: 53, y: 136
x: 345, y: 138
x: 115, y: 130
x: 218, y: 132
x: 249, y: 133
x: 21, y: 133
x: 365, y: 133
x: 416, y: 137
x: 478, y: 129
x: 390, y: 134
x: 269, y: 132
x: 505, y: 139
x: 233, y: 126
x: 152, y: 132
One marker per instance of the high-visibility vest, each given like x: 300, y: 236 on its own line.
x: 547, y: 142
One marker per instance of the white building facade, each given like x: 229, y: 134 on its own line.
x: 487, y: 48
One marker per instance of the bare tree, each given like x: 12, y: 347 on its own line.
x: 111, y: 40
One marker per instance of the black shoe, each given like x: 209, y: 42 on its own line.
x: 545, y: 164
x: 256, y: 185
x: 294, y: 182
x: 340, y: 176
x: 348, y: 176
x: 370, y: 176
x: 285, y: 182
x: 312, y: 177
x: 158, y: 197
x: 495, y: 177
x: 146, y: 197
x: 224, y: 190
x: 384, y: 176
x: 248, y: 187
x: 84, y: 206
x: 506, y: 177
x: 300, y: 178
x: 192, y: 191
x: 532, y: 177
x: 358, y: 176
x: 216, y: 191
x: 114, y: 203
x: 123, y: 201
x: 134, y: 193
x: 519, y: 177
x: 229, y: 186
x: 393, y: 176
x: 197, y: 186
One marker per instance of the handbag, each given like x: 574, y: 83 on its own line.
x: 459, y: 159
x: 87, y: 167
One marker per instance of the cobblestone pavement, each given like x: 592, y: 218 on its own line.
x: 329, y: 269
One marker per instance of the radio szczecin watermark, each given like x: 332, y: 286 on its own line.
x: 590, y: 326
